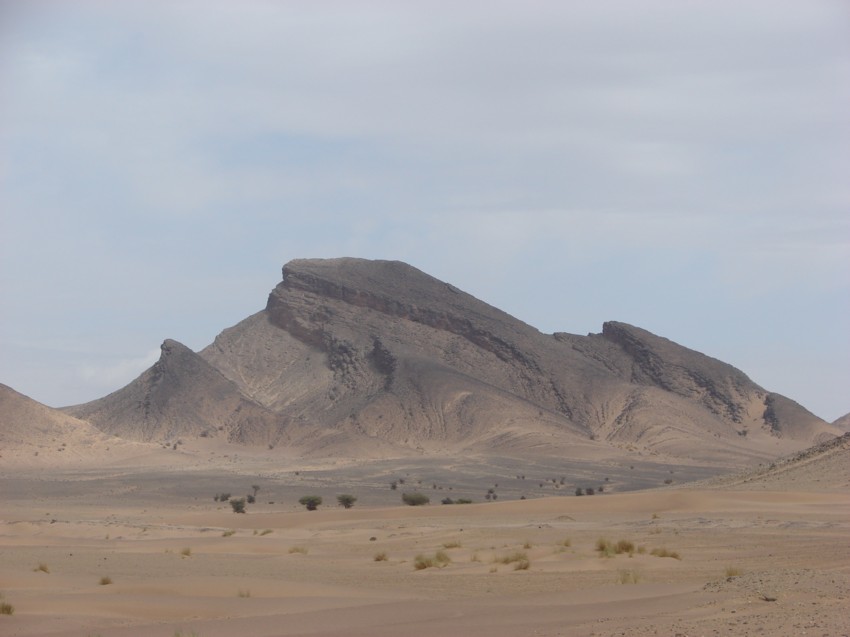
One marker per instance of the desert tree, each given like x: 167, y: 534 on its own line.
x: 346, y: 500
x: 312, y: 502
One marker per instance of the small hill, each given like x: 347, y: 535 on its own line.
x: 34, y: 434
x: 824, y: 467
x: 843, y: 423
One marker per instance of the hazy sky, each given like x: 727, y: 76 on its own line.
x: 681, y: 166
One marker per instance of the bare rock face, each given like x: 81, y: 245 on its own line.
x: 357, y: 357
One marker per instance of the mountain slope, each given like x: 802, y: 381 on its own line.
x: 354, y: 357
x: 180, y: 395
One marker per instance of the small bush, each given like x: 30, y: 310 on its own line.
x: 522, y: 565
x: 6, y: 609
x: 440, y: 559
x: 346, y: 500
x: 663, y: 552
x: 380, y: 557
x: 186, y: 552
x: 105, y: 580
x: 298, y: 549
x: 228, y: 533
x: 238, y: 505
x: 250, y: 499
x: 311, y: 502
x: 605, y: 548
x: 625, y: 546
x: 266, y: 532
x: 42, y: 567
x: 415, y: 499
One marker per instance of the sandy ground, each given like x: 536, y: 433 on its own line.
x: 750, y: 562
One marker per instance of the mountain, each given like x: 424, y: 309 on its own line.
x: 843, y: 423
x: 34, y: 434
x: 356, y: 357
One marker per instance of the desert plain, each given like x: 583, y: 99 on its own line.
x: 129, y: 540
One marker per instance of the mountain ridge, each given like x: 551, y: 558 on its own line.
x: 359, y: 354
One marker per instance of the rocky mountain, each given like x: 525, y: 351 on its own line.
x: 357, y: 357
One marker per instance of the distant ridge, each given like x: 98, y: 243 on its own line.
x: 357, y: 357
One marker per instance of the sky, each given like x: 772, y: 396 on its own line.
x: 678, y: 165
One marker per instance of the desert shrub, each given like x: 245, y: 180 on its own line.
x: 105, y: 580
x: 238, y: 505
x: 527, y: 544
x: 439, y: 560
x: 266, y: 532
x: 243, y: 592
x: 380, y: 557
x: 186, y: 552
x: 565, y: 542
x: 605, y: 547
x: 346, y: 500
x: 522, y: 565
x: 311, y: 502
x: 668, y: 481
x: 6, y: 609
x: 625, y: 546
x: 250, y: 499
x: 228, y: 533
x: 733, y: 571
x: 298, y: 549
x: 223, y: 497
x: 579, y: 491
x: 394, y: 485
x: 463, y: 501
x: 511, y: 558
x: 42, y: 567
x: 663, y: 552
x: 589, y: 491
x: 453, y: 544
x: 447, y: 501
x: 415, y: 499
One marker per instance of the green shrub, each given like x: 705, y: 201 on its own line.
x: 238, y: 505
x: 415, y: 499
x: 312, y: 502
x: 346, y: 500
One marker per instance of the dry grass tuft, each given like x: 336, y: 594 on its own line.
x: 733, y: 571
x: 380, y: 557
x: 42, y: 567
x: 439, y: 560
x: 243, y: 593
x: 228, y: 533
x: 6, y: 609
x: 298, y: 549
x: 454, y: 544
x: 186, y: 552
x: 105, y: 580
x: 512, y: 558
x: 628, y: 576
